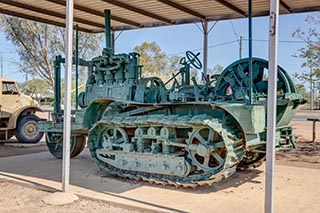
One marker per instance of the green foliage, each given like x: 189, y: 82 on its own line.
x: 37, y: 45
x: 155, y: 61
x: 311, y: 52
x: 301, y: 89
x: 152, y: 58
x: 37, y: 88
x: 217, y: 70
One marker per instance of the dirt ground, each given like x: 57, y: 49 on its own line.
x: 307, y: 154
x: 12, y: 148
x: 18, y: 198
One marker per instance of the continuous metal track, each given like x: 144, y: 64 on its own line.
x: 212, y: 149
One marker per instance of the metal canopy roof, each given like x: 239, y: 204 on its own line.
x: 145, y: 13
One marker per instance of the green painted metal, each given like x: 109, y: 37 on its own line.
x: 57, y: 85
x: 109, y: 43
x: 178, y: 132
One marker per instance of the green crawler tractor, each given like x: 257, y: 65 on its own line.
x: 187, y: 135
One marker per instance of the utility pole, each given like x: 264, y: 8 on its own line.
x: 311, y: 89
x: 1, y: 66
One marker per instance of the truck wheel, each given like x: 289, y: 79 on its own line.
x: 27, y: 129
x: 55, y: 145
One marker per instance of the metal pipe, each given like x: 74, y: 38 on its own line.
x: 205, y: 47
x: 67, y: 99
x: 240, y: 48
x: 113, y: 41
x: 77, y: 66
x: 107, y: 22
x: 271, y: 108
x: 57, y: 85
x: 250, y: 50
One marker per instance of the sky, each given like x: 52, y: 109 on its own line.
x: 222, y: 41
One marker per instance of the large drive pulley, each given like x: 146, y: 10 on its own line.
x: 150, y: 90
x: 233, y: 83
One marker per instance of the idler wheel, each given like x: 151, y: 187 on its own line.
x: 114, y: 138
x: 209, y: 150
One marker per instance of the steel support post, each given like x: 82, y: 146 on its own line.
x: 77, y: 66
x: 250, y: 50
x: 272, y: 101
x: 67, y: 98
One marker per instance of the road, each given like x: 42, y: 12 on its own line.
x: 302, y: 115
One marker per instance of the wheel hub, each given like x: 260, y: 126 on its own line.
x: 30, y: 129
x: 203, y: 150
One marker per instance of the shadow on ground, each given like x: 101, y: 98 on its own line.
x: 85, y: 173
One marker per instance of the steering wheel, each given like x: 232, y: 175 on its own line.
x: 193, y: 59
x: 182, y: 61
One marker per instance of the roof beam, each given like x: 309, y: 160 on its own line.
x: 182, y: 8
x: 283, y: 4
x: 43, y: 20
x: 306, y: 9
x: 49, y: 12
x: 137, y: 10
x: 96, y: 12
x: 232, y: 7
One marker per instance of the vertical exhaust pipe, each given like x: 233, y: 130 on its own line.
x: 107, y: 18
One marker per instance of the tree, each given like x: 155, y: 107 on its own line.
x: 36, y: 88
x: 217, y: 70
x: 37, y: 45
x: 311, y: 52
x: 301, y: 89
x: 155, y: 61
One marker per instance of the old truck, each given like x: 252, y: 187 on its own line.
x: 17, y: 114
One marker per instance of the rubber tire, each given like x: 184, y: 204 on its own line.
x: 22, y: 138
x: 77, y: 144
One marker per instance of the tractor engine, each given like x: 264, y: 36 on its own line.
x: 111, y: 76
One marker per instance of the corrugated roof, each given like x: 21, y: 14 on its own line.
x: 89, y: 15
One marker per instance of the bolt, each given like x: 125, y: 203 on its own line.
x: 124, y: 162
x: 179, y: 168
x: 138, y: 164
x: 165, y: 167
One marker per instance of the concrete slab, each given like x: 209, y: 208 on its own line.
x: 296, y: 188
x: 60, y: 198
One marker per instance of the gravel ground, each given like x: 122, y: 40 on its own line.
x: 18, y: 198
